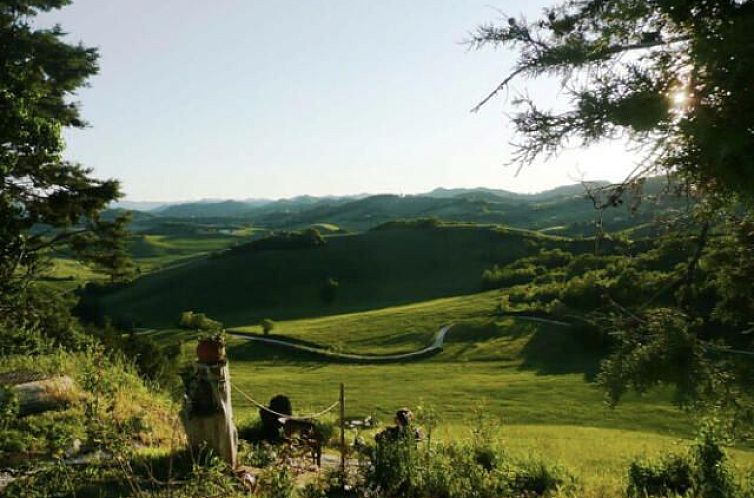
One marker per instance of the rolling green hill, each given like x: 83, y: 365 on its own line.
x: 395, y: 265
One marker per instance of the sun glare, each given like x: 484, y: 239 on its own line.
x: 679, y: 98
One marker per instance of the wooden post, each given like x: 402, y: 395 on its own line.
x: 343, y: 432
x: 208, y: 413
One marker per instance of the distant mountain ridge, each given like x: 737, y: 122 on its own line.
x: 240, y: 208
x: 564, y: 209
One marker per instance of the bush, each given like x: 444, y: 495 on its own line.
x: 714, y: 478
x: 198, y: 321
x: 396, y: 469
x: 703, y: 472
x: 535, y: 477
x: 277, y: 482
x: 673, y: 474
x: 267, y: 326
x: 401, y: 467
x: 329, y: 290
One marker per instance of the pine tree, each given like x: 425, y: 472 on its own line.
x: 46, y: 202
x: 674, y: 76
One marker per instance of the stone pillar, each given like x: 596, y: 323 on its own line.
x: 208, y: 413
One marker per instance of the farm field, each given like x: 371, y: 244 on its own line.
x: 531, y: 381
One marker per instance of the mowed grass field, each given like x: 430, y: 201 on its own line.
x: 523, y: 372
x: 150, y: 252
x: 375, y: 269
x: 532, y: 381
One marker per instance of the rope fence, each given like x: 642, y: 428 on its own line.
x: 284, y: 415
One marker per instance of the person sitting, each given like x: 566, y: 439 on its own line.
x: 403, y: 426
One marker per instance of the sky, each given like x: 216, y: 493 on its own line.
x: 238, y: 99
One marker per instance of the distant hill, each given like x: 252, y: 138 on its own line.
x: 137, y: 205
x: 229, y: 209
x: 565, y: 210
x: 479, y: 192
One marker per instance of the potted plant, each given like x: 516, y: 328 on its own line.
x: 211, y: 348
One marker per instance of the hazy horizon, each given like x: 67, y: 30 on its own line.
x: 321, y: 196
x: 244, y: 99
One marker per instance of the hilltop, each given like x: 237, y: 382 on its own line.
x: 398, y: 263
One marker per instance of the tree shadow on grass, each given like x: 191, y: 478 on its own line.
x: 558, y: 350
x: 422, y: 339
x: 485, y: 340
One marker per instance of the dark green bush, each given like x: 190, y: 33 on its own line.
x: 329, y: 290
x: 277, y: 482
x: 672, y: 474
x: 703, y: 473
x: 404, y: 468
x: 535, y: 478
x: 191, y: 320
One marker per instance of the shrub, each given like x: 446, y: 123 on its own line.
x: 396, y: 468
x: 714, y: 478
x: 329, y: 290
x: 271, y: 424
x: 536, y: 478
x: 267, y: 326
x: 261, y: 454
x: 198, y: 321
x: 703, y: 472
x: 496, y: 277
x: 672, y: 474
x: 277, y: 482
x: 401, y: 467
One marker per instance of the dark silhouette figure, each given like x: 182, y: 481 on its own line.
x: 271, y: 423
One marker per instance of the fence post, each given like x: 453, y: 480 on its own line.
x: 343, y: 432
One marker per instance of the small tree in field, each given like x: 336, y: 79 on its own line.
x: 267, y: 326
x: 329, y: 290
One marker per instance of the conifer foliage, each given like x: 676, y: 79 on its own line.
x: 46, y: 202
x: 672, y: 75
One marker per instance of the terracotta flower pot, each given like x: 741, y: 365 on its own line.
x: 210, y: 352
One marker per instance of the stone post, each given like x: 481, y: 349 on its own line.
x: 208, y: 414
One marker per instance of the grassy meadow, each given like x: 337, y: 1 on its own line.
x: 532, y: 382
x: 375, y: 269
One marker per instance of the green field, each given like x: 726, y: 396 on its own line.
x: 397, y: 287
x: 534, y: 380
x: 375, y: 269
x: 525, y: 372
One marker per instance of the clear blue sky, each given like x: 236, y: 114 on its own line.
x: 276, y: 98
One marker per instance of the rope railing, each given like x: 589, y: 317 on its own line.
x: 284, y: 415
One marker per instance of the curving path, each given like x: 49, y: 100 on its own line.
x: 434, y: 348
